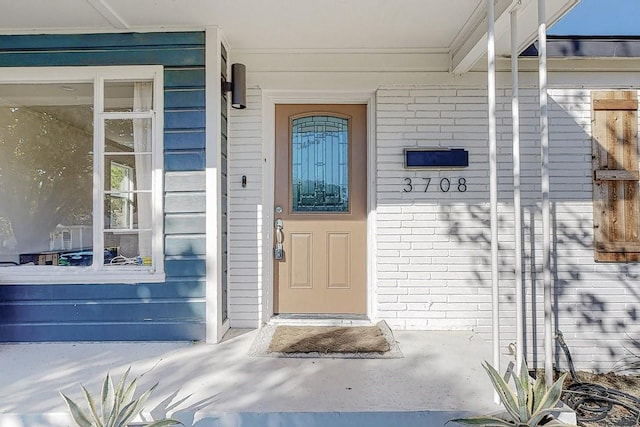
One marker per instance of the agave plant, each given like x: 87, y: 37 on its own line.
x: 117, y: 405
x: 529, y: 406
x: 631, y: 362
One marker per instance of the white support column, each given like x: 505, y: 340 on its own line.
x: 546, y: 223
x: 493, y: 180
x: 517, y: 208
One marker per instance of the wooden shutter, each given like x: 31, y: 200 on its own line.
x: 615, y: 175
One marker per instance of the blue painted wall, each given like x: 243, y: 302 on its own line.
x: 174, y: 310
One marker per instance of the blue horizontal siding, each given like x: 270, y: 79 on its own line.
x: 175, y: 99
x: 181, y: 140
x: 180, y: 287
x: 223, y: 126
x: 184, y: 122
x: 175, y: 161
x: 169, y: 57
x: 184, y: 78
x: 192, y: 245
x: 56, y: 42
x: 184, y: 119
x: 156, y: 331
x: 98, y: 311
x: 173, y: 310
x: 186, y: 267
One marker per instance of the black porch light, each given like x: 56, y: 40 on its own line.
x: 237, y: 86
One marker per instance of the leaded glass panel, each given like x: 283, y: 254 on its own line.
x: 320, y: 158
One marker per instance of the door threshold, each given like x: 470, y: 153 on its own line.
x: 321, y: 319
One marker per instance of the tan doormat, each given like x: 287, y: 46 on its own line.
x: 365, y: 342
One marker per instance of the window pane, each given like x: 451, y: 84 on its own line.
x: 127, y: 248
x: 127, y: 172
x: 320, y: 178
x: 127, y: 96
x: 127, y: 189
x: 127, y: 135
x: 46, y: 171
x: 124, y: 210
x: 119, y: 211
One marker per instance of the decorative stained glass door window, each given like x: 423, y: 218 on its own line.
x: 320, y: 158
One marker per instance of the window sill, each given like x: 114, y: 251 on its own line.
x: 77, y: 275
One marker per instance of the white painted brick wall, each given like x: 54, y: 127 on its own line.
x: 434, y: 245
x: 433, y: 250
x: 596, y: 303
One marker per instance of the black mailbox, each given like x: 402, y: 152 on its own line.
x: 425, y: 158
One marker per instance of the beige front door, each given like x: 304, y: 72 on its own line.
x: 320, y: 209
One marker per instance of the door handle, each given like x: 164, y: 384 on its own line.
x: 278, y: 252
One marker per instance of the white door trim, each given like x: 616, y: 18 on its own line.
x: 269, y: 101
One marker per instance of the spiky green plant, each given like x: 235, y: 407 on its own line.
x: 117, y: 405
x: 529, y: 406
x: 631, y: 362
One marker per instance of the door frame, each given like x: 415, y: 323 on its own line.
x: 269, y: 101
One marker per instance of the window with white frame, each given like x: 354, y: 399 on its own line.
x: 80, y: 172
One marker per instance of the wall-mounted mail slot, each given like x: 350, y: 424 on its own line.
x: 423, y: 158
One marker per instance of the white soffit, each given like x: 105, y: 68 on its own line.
x: 453, y: 27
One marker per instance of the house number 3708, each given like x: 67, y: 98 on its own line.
x: 445, y: 185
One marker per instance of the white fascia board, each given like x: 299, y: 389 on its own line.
x: 470, y: 48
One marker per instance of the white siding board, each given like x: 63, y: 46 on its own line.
x: 184, y: 181
x: 245, y: 220
x: 182, y: 202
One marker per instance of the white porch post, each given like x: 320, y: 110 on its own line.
x: 546, y: 227
x: 517, y: 209
x: 493, y: 180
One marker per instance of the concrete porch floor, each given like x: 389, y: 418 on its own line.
x: 440, y: 377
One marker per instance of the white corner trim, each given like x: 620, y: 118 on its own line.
x: 372, y: 277
x: 268, y: 179
x: 213, y: 300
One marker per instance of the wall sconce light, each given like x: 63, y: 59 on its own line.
x: 237, y: 86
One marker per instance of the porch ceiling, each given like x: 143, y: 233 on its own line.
x: 455, y: 27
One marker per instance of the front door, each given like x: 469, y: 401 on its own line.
x: 320, y: 209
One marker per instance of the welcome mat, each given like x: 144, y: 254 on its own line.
x: 348, y: 342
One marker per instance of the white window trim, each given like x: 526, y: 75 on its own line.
x: 99, y: 274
